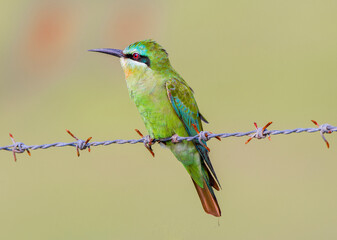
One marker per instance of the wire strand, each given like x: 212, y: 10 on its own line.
x: 202, y: 137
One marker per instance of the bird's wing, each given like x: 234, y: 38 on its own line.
x: 185, y: 106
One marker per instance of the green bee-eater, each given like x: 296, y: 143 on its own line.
x: 167, y: 106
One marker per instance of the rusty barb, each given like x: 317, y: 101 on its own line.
x: 260, y: 132
x: 202, y: 137
x: 80, y: 144
x: 148, y: 141
x: 18, y: 147
x: 324, y: 128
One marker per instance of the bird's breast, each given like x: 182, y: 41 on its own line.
x: 150, y: 97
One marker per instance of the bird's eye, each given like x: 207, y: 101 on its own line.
x: 136, y: 56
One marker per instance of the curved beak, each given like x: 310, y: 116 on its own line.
x: 110, y: 51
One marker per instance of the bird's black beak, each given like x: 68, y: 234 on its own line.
x: 110, y: 51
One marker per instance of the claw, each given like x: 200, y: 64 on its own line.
x: 174, y: 138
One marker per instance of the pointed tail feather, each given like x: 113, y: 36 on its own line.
x: 208, y: 200
x: 212, y: 181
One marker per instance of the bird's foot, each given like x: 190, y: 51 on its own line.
x: 174, y: 138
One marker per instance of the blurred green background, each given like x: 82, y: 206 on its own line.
x: 246, y: 61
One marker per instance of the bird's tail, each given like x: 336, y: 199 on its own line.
x: 207, y: 197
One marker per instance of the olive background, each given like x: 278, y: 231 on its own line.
x: 247, y: 61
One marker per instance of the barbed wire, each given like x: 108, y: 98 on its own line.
x: 202, y: 137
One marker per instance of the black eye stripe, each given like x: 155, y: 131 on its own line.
x: 142, y: 59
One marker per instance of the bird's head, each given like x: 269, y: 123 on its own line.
x: 140, y: 56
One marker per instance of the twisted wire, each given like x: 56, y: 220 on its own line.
x: 259, y: 133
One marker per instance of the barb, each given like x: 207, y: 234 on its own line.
x: 80, y: 144
x: 324, y: 128
x: 260, y: 132
x: 18, y: 147
x: 203, y: 136
x: 148, y: 142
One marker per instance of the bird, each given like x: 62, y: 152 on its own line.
x: 168, y: 108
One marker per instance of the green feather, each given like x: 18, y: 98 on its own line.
x: 167, y: 107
